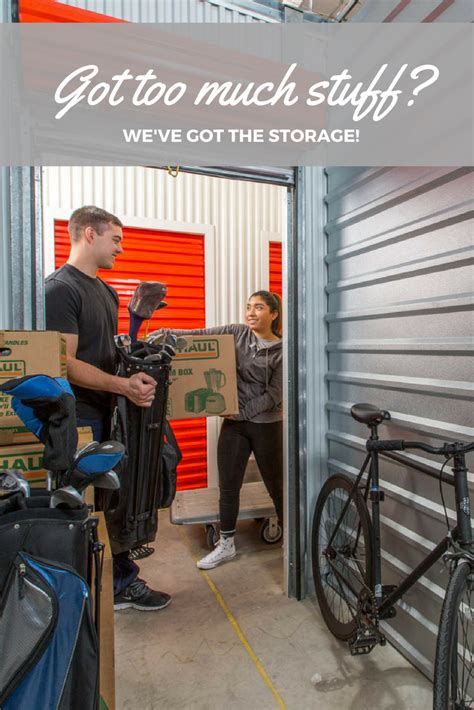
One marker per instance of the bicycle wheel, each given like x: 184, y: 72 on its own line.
x: 454, y: 672
x: 341, y: 554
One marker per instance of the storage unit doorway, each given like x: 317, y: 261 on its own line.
x: 242, y: 218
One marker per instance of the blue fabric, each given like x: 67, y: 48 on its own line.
x: 125, y: 571
x: 95, y: 464
x: 97, y: 426
x: 43, y: 685
x: 32, y: 388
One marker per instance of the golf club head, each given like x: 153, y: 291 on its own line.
x: 93, y: 461
x: 169, y: 351
x: 95, y: 458
x: 90, y: 446
x: 67, y: 497
x: 171, y: 339
x: 157, y: 339
x: 181, y: 343
x: 156, y: 357
x: 145, y: 301
x: 12, y: 481
x: 123, y: 342
x: 109, y: 480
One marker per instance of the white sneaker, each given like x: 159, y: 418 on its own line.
x: 223, y: 552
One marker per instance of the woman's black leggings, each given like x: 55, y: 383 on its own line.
x: 237, y: 440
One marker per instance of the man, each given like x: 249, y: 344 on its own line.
x: 85, y: 309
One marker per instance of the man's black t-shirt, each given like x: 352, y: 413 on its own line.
x: 87, y: 307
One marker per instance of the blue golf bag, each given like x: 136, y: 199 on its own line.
x: 48, y: 641
x: 49, y: 557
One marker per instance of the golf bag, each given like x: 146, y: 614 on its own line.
x: 48, y: 640
x: 131, y: 511
x: 49, y: 554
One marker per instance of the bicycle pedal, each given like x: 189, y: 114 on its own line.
x: 363, y: 641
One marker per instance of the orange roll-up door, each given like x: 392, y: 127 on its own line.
x: 176, y: 259
x: 275, y: 259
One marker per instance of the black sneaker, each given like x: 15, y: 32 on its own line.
x: 138, y: 595
x: 140, y: 552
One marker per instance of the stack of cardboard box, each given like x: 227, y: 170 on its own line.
x: 44, y: 353
x: 27, y: 353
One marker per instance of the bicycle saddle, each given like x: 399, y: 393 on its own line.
x: 369, y: 414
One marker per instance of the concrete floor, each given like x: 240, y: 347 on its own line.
x: 190, y: 657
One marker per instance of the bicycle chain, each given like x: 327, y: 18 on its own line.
x: 366, y: 596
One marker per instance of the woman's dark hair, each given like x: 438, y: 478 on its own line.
x: 273, y: 301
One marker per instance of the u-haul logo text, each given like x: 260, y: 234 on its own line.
x: 27, y: 462
x: 11, y: 368
x: 199, y: 350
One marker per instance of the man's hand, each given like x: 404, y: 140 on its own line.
x: 140, y: 389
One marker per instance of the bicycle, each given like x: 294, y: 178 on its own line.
x: 346, y: 556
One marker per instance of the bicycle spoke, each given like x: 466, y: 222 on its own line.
x: 341, y: 553
x: 344, y: 575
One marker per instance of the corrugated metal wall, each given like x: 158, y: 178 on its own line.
x: 238, y: 217
x: 175, y: 11
x: 399, y: 260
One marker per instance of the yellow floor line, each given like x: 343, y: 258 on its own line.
x: 238, y: 631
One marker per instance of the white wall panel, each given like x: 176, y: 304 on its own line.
x: 242, y: 215
x: 170, y: 10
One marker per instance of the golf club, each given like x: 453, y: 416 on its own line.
x: 157, y: 339
x: 123, y: 342
x: 93, y: 461
x: 67, y: 497
x: 90, y: 446
x: 156, y: 357
x: 12, y: 481
x: 171, y: 339
x: 109, y: 480
x: 148, y: 298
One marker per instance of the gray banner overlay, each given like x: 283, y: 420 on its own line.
x: 282, y: 95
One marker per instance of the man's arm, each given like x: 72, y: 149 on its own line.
x: 139, y: 388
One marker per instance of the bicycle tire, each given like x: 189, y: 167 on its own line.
x: 337, y: 583
x: 454, y: 637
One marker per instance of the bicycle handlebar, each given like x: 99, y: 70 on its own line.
x: 457, y: 448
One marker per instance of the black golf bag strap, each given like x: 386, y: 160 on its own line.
x: 98, y: 548
x: 170, y: 435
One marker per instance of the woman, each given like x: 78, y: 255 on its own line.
x: 258, y: 426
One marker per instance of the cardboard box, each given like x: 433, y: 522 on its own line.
x: 26, y: 352
x: 106, y: 637
x: 203, y: 376
x: 28, y: 458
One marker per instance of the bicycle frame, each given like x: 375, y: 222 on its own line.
x: 462, y: 533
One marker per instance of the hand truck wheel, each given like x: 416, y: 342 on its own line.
x: 271, y: 531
